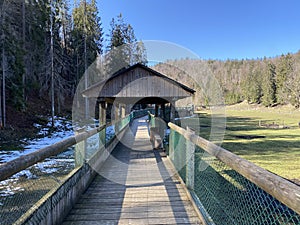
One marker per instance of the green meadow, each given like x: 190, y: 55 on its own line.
x: 268, y: 137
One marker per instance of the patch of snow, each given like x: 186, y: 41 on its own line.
x: 187, y: 117
x: 92, y: 144
x: 36, y: 125
x: 9, y: 191
x: 110, y: 132
x: 64, y: 130
x: 9, y: 187
x: 63, y: 162
x: 47, y: 167
x: 24, y: 173
x: 167, y: 131
x: 6, y: 156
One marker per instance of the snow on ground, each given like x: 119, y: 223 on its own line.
x: 110, y: 132
x: 53, y: 165
x: 187, y: 117
x: 167, y: 131
x: 64, y: 130
x: 60, y: 163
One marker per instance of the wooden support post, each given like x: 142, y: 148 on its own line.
x: 190, y: 162
x: 163, y: 109
x: 172, y: 112
x: 102, y: 121
x: 120, y: 111
x: 97, y: 114
x: 128, y: 108
x: 156, y: 110
x: 123, y: 111
x: 116, y: 108
x: 102, y: 113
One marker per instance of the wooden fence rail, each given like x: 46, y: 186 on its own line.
x: 12, y: 167
x: 283, y: 190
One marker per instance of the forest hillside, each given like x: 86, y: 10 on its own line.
x: 268, y: 81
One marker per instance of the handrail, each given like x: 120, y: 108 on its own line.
x: 286, y: 192
x: 12, y: 167
x: 89, y: 156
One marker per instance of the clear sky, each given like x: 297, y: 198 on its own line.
x: 213, y: 29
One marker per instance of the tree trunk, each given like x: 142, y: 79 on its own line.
x: 3, y: 89
x: 52, y: 69
x: 24, y: 40
x: 85, y: 65
x: 1, y: 120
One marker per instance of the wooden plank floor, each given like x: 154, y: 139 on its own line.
x: 135, y: 186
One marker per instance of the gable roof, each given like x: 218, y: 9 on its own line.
x: 97, y: 90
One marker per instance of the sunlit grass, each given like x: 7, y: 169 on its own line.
x: 275, y: 149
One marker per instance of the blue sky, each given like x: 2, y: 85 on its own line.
x: 213, y: 29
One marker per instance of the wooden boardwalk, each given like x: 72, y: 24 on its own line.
x: 135, y: 186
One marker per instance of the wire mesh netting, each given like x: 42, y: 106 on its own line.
x: 21, y: 191
x: 228, y: 197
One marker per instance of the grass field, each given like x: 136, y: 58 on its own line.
x: 268, y: 137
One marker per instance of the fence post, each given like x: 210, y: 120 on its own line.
x: 171, y: 144
x: 190, y: 161
x: 102, y: 137
x: 80, y: 149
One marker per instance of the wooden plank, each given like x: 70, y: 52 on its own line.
x: 150, y: 194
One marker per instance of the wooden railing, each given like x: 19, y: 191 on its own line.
x: 65, y: 193
x: 283, y: 190
x: 12, y: 167
x: 228, y: 189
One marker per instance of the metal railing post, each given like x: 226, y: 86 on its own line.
x: 171, y: 144
x: 102, y: 137
x: 190, y: 162
x: 80, y: 149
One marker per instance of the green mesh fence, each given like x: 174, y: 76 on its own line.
x: 94, y: 143
x: 21, y: 191
x: 179, y: 157
x: 140, y: 113
x: 226, y: 197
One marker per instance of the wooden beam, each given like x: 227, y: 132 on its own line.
x: 102, y: 113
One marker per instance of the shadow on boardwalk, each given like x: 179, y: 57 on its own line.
x: 135, y: 186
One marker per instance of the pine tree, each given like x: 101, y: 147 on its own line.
x: 87, y: 36
x: 86, y: 41
x: 292, y: 83
x: 283, y: 71
x: 252, y: 86
x: 123, y: 48
x: 12, y: 56
x: 140, y: 55
x: 269, y: 86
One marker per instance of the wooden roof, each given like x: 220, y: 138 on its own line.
x: 139, y: 82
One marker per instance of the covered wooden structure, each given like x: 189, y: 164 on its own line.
x: 137, y: 84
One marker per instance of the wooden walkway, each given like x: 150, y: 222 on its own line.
x: 135, y: 186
